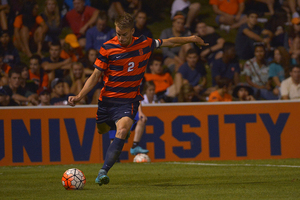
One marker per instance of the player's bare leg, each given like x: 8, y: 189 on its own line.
x: 139, y: 130
x: 114, y: 150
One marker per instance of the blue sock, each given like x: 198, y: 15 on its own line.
x: 113, y: 152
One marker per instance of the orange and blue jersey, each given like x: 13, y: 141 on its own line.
x: 124, y: 68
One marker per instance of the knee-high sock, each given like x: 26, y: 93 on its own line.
x: 113, y: 152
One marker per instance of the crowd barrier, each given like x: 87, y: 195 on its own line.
x: 174, y: 132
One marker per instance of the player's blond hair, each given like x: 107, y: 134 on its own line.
x: 124, y: 21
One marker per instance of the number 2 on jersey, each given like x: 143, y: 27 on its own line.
x: 131, y: 66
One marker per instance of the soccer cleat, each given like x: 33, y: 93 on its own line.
x: 102, y: 178
x: 138, y: 149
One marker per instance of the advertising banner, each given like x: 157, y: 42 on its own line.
x: 174, y: 132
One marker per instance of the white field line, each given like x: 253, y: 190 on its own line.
x: 237, y: 165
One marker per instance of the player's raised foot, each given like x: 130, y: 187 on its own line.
x: 137, y: 150
x: 102, y: 178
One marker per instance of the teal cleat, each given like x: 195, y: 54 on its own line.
x: 102, y: 178
x: 137, y: 150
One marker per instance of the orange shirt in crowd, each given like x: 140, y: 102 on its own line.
x: 5, y: 68
x: 215, y: 96
x: 37, y: 79
x: 18, y: 23
x: 162, y: 82
x: 228, y: 6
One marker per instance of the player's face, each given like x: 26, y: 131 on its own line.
x: 178, y: 25
x: 78, y: 5
x: 124, y: 35
x: 252, y: 19
x: 242, y: 93
x: 156, y: 67
x: 277, y: 56
x: 192, y: 59
x: 101, y: 24
x: 34, y: 66
x: 201, y: 29
x: 4, y: 38
x: 14, y: 80
x: 51, y: 6
x: 141, y: 19
x: 77, y: 71
x: 150, y: 92
x: 54, y: 51
x: 295, y: 74
x: 59, y: 89
x: 92, y: 56
x: 259, y: 53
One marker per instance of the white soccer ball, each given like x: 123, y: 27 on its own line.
x: 141, y: 158
x: 73, y: 179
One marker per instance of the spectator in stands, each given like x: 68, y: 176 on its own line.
x: 36, y: 72
x: 51, y: 17
x: 290, y: 87
x: 186, y: 94
x: 149, y: 93
x: 88, y: 61
x: 16, y: 7
x: 71, y: 48
x: 227, y: 66
x: 11, y: 54
x: 4, y: 67
x: 248, y: 34
x: 257, y: 74
x: 16, y: 92
x: 279, y: 68
x: 175, y: 57
x: 293, y: 6
x: 140, y: 26
x: 293, y: 41
x: 44, y: 96
x: 97, y: 35
x: 243, y: 92
x: 221, y: 94
x: 54, y: 65
x: 161, y: 79
x: 25, y: 83
x: 80, y: 19
x: 76, y: 78
x: 262, y: 7
x: 213, y: 50
x: 5, y: 99
x: 276, y: 24
x: 229, y: 13
x: 58, y: 96
x: 118, y: 7
x: 4, y: 10
x: 29, y: 29
x: 190, y: 10
x: 192, y: 72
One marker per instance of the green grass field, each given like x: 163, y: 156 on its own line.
x: 263, y: 179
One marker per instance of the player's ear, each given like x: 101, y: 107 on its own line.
x: 132, y: 31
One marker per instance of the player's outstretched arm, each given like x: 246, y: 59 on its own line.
x: 88, y: 86
x: 179, y: 41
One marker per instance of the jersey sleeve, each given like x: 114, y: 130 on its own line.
x: 102, y: 61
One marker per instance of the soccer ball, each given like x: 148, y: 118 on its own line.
x: 141, y: 157
x: 73, y: 179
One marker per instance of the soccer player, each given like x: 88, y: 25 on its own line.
x: 122, y: 62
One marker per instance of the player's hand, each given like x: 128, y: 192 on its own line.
x: 199, y: 42
x: 72, y: 100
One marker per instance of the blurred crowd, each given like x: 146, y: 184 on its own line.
x: 262, y: 64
